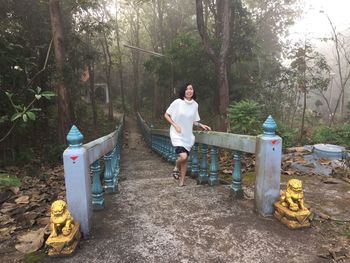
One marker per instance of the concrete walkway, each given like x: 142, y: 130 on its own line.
x: 151, y: 219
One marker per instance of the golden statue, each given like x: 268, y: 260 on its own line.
x: 290, y: 209
x: 65, y: 232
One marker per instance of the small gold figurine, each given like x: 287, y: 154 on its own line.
x: 290, y: 209
x: 65, y: 232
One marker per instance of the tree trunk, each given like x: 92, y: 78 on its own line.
x: 223, y: 32
x: 62, y: 94
x: 108, y: 66
x: 136, y: 61
x: 120, y: 61
x: 157, y: 101
x: 157, y: 105
x: 303, y: 118
x: 297, y: 99
x: 92, y: 93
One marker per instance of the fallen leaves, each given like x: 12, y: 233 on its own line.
x: 24, y: 199
x: 31, y: 241
x: 324, y: 161
x: 227, y: 171
x: 336, y: 254
x: 299, y: 150
x: 25, y: 210
x: 6, y: 232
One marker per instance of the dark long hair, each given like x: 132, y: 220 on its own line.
x: 183, y: 90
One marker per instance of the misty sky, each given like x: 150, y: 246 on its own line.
x: 314, y: 24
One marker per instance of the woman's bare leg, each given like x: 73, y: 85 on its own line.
x: 177, y: 164
x: 182, y: 162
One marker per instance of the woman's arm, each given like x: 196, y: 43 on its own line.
x: 170, y: 120
x: 203, y: 126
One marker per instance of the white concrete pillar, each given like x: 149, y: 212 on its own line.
x: 268, y: 168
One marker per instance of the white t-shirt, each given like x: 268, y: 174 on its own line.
x: 183, y: 113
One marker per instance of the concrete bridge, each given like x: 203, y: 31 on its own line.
x: 151, y: 219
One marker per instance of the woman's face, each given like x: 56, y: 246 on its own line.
x: 189, y: 92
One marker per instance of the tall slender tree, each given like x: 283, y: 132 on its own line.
x: 223, y: 13
x: 119, y: 57
x: 64, y: 120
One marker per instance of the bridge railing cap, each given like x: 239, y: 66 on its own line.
x: 75, y: 137
x: 269, y: 126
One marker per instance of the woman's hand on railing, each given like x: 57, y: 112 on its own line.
x: 205, y: 127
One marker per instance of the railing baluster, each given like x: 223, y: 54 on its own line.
x: 173, y: 155
x: 195, y: 170
x: 97, y: 190
x: 203, y: 175
x: 236, y: 186
x: 113, y: 162
x: 213, y: 179
x: 161, y: 146
x: 117, y: 163
x: 164, y: 150
x: 108, y: 175
x: 189, y: 164
x: 157, y: 144
x: 115, y: 167
x: 168, y: 149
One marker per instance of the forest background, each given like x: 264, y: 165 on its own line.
x: 54, y: 56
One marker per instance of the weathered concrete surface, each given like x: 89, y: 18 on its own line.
x: 151, y: 219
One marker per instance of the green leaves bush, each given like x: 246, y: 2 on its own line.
x: 244, y: 117
x: 339, y: 134
x: 289, y: 136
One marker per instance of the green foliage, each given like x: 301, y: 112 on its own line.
x: 339, y: 134
x: 25, y: 155
x: 190, y: 63
x: 309, y: 69
x: 25, y: 113
x: 347, y: 233
x: 244, y: 117
x: 9, y: 180
x: 84, y: 122
x: 289, y: 136
x: 52, y: 153
x: 35, y: 257
x: 28, y: 112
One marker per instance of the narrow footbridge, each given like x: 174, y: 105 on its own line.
x: 142, y: 215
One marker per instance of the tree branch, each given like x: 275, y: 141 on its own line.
x: 203, y: 32
x: 44, y: 67
x: 226, y: 36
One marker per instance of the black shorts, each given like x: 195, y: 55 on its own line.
x: 180, y: 149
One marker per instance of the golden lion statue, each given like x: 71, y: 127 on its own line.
x: 293, y: 197
x: 65, y: 232
x: 290, y: 209
x: 61, y: 220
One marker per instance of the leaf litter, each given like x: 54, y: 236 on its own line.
x: 25, y: 209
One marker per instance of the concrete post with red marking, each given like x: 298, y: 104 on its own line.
x: 268, y: 168
x: 77, y: 180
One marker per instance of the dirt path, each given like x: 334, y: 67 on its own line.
x: 151, y: 219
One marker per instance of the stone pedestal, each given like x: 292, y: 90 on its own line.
x: 293, y: 220
x: 64, y: 245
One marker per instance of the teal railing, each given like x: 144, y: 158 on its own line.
x: 83, y: 160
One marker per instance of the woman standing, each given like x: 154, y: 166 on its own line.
x: 182, y: 114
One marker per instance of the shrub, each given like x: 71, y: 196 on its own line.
x: 339, y: 134
x: 244, y: 117
x: 289, y: 136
